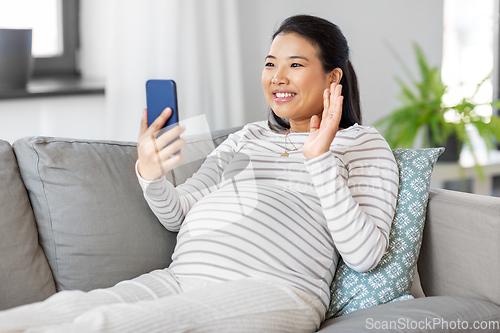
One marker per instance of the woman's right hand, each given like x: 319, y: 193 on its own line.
x: 155, y: 156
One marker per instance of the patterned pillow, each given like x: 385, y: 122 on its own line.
x: 392, y: 279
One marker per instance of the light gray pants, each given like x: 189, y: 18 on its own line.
x: 160, y: 302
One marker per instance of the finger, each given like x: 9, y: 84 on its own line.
x: 336, y: 101
x: 169, y: 135
x: 173, y: 161
x: 314, y: 124
x: 171, y: 149
x: 159, y: 122
x: 145, y: 149
x: 144, y: 122
x: 336, y: 92
x: 337, y: 115
x: 326, y: 102
x: 338, y: 105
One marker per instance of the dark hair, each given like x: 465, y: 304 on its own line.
x: 333, y: 52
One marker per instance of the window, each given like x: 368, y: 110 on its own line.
x: 55, y: 32
x: 468, y: 58
x: 468, y: 54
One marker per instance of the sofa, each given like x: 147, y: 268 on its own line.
x: 73, y: 216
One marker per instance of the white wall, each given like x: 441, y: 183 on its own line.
x: 94, y: 38
x: 73, y: 117
x: 368, y: 25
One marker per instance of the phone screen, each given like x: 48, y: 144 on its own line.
x: 161, y: 94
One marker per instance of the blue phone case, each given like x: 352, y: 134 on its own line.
x: 161, y: 94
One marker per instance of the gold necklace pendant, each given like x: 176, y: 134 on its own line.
x: 285, y: 154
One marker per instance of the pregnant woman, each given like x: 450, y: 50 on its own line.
x: 263, y: 222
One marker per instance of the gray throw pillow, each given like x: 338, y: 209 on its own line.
x: 25, y: 275
x: 95, y: 227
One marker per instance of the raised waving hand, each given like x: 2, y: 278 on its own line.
x: 323, y: 131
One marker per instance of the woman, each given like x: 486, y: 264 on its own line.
x: 263, y: 222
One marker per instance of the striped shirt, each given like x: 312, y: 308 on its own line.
x: 249, y: 212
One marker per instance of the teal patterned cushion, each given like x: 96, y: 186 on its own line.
x: 391, y: 280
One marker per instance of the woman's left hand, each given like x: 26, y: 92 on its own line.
x: 323, y: 131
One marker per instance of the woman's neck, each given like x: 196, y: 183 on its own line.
x: 300, y: 127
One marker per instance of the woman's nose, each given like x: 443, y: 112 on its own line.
x: 279, y: 77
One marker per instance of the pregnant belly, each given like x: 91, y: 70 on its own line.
x: 245, y: 232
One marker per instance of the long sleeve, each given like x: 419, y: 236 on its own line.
x: 171, y: 204
x: 358, y: 208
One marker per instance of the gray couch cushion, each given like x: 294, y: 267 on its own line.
x: 94, y: 223
x: 428, y: 314
x: 95, y: 226
x: 25, y: 275
x: 461, y: 246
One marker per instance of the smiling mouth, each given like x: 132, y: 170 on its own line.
x: 285, y: 95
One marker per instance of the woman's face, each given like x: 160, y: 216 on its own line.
x: 294, y: 80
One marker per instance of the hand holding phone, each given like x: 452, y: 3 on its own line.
x: 159, y: 153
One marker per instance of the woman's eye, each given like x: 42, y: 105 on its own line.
x: 269, y: 64
x: 296, y: 65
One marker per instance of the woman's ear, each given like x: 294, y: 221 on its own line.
x: 336, y: 75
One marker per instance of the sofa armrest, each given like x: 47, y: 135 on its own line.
x: 461, y: 246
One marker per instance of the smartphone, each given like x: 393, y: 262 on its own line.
x: 161, y: 94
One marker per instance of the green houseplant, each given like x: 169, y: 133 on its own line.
x: 423, y: 113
